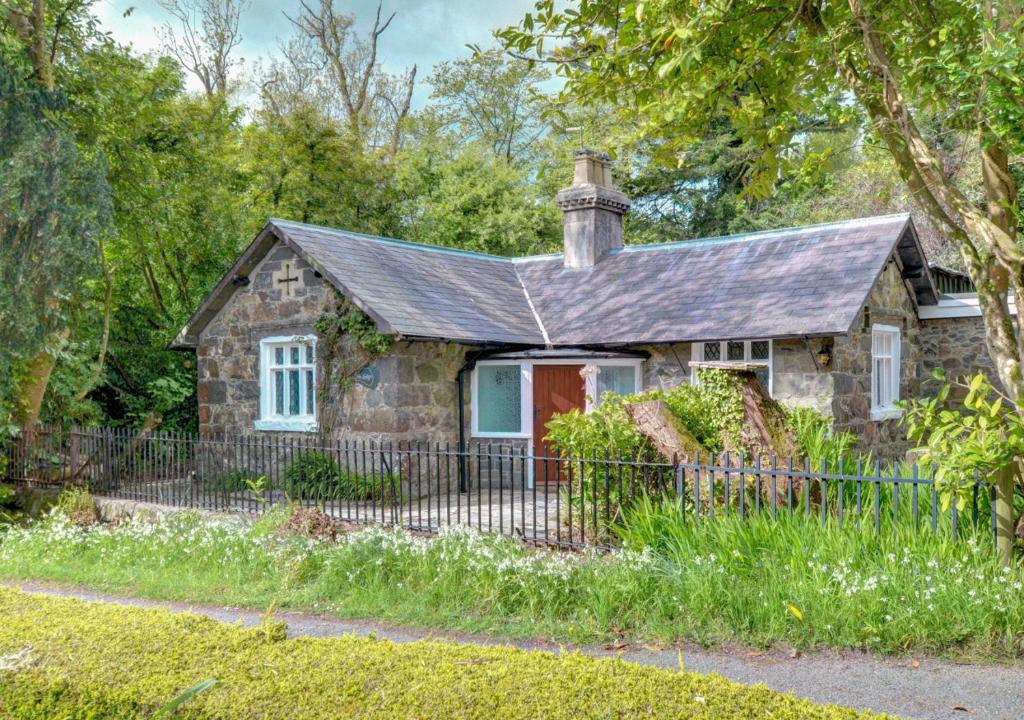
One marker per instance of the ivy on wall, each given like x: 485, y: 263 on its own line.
x: 347, y: 342
x: 723, y: 412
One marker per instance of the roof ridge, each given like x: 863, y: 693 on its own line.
x: 692, y: 242
x: 394, y: 241
x: 533, y: 308
x: 758, y: 234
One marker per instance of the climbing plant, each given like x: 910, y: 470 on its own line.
x: 347, y: 342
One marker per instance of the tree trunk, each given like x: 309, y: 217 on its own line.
x: 986, y: 238
x: 33, y: 388
x: 655, y: 422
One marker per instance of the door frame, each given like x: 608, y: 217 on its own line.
x: 526, y: 392
x: 575, y: 369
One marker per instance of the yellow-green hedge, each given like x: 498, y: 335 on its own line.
x: 93, y: 660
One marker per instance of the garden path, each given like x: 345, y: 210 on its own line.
x: 920, y: 688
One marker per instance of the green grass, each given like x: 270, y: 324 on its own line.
x: 67, y: 658
x: 758, y: 582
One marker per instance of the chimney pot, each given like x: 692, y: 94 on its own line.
x: 593, y: 211
x: 592, y: 168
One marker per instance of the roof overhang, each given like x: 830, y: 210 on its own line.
x: 914, y: 267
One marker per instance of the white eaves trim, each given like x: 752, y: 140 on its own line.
x: 955, y: 307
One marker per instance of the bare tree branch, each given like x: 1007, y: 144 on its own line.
x: 367, y: 95
x: 207, y: 34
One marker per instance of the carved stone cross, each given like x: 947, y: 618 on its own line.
x: 290, y: 279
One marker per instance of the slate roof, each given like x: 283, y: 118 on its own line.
x: 799, y: 282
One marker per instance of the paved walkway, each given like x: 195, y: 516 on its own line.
x: 928, y: 689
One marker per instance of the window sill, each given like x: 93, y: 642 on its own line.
x: 886, y: 413
x: 500, y: 436
x: 286, y: 425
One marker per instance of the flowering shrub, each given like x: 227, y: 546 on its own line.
x: 756, y: 581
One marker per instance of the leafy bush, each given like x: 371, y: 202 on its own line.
x: 708, y: 582
x: 575, y: 434
x: 711, y: 411
x: 607, y: 428
x: 7, y: 496
x: 978, y: 437
x: 819, y: 441
x: 314, y: 475
x: 68, y: 660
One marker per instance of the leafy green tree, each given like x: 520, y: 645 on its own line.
x: 305, y: 166
x: 173, y: 167
x: 54, y: 200
x: 491, y: 100
x: 473, y: 200
x: 981, y: 437
x: 669, y: 68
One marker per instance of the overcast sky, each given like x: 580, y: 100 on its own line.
x: 423, y: 33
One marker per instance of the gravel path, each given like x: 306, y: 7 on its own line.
x: 933, y: 690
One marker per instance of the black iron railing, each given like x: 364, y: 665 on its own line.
x: 423, y: 486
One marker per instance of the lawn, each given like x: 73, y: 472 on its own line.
x: 758, y: 582
x: 67, y: 658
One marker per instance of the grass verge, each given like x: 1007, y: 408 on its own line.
x: 67, y: 658
x: 757, y: 582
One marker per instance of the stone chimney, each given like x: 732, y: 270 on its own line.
x: 593, y: 211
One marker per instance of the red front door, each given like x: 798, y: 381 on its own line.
x: 556, y: 389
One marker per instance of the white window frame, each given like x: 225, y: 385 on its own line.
x: 697, y: 358
x: 887, y: 410
x: 590, y: 385
x: 526, y: 391
x: 525, y: 401
x: 268, y: 419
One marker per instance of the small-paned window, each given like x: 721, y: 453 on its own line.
x: 499, y: 399
x: 287, y: 384
x: 885, y: 370
x: 746, y: 352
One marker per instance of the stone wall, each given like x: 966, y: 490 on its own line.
x: 228, y: 352
x: 799, y: 380
x: 888, y: 303
x: 416, y: 398
x: 667, y: 367
x: 956, y: 345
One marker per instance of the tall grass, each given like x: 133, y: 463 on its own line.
x: 757, y: 581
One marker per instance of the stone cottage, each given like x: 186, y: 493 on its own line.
x: 845, y: 317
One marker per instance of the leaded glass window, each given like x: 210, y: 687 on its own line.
x: 290, y: 380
